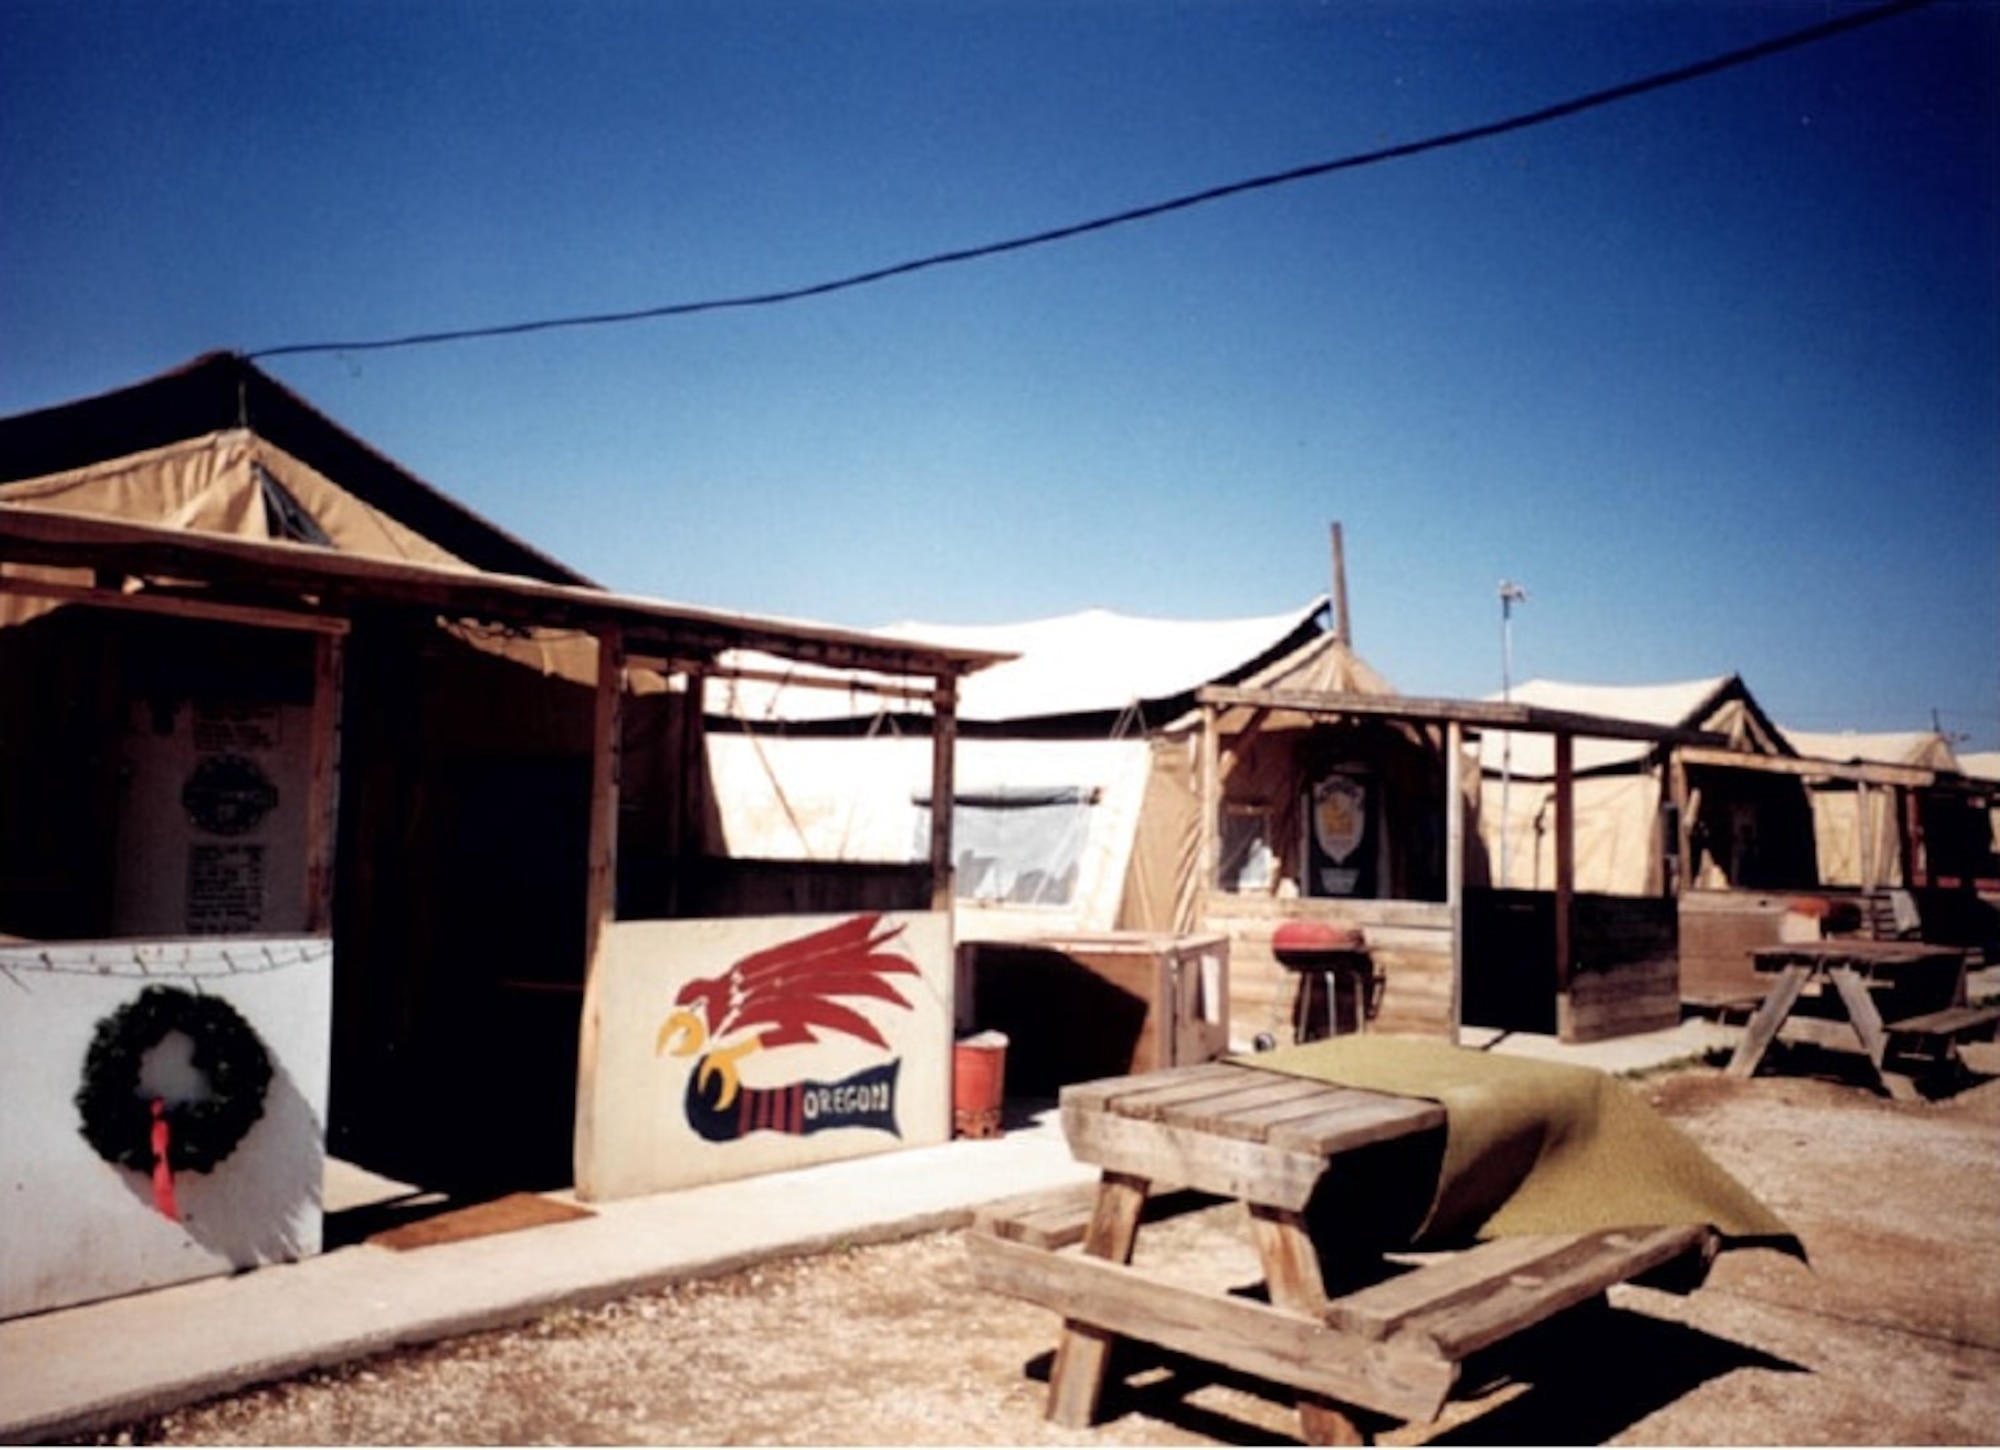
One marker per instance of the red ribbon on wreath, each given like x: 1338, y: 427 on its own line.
x: 163, y: 1176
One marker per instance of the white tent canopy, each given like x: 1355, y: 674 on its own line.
x: 1093, y: 662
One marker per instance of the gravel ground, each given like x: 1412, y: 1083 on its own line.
x: 1891, y: 1337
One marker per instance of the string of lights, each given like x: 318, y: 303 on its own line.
x: 1522, y: 121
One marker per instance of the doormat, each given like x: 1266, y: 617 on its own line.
x: 502, y: 1215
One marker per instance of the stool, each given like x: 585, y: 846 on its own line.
x: 1336, y: 953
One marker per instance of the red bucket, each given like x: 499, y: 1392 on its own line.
x: 978, y: 1084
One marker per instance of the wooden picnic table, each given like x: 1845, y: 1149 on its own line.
x: 1901, y: 1004
x: 1391, y: 1343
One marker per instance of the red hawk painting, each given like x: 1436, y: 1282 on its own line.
x: 784, y: 996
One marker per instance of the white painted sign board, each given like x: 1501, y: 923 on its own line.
x: 729, y: 1048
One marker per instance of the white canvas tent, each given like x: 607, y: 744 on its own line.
x: 1075, y: 803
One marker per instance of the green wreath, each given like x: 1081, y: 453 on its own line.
x: 118, y: 1118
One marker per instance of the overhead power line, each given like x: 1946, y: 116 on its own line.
x: 1561, y: 110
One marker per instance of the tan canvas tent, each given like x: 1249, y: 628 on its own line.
x: 1862, y: 832
x: 470, y: 761
x: 1743, y: 828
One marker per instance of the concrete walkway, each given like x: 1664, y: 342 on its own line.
x: 78, y: 1370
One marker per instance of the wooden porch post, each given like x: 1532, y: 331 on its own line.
x: 600, y: 890
x: 690, y: 786
x: 1683, y: 829
x: 1454, y: 866
x: 323, y: 788
x: 1864, y: 820
x: 1913, y: 851
x: 1209, y: 855
x: 944, y: 743
x: 1565, y: 877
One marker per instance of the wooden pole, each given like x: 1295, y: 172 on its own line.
x: 1454, y: 865
x: 1208, y: 856
x: 600, y: 893
x: 690, y: 787
x: 944, y: 742
x: 323, y: 786
x: 1565, y: 876
x: 1864, y: 821
x: 1683, y: 830
x: 1341, y: 630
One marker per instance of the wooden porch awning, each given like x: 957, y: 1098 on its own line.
x: 1474, y: 715
x: 175, y: 570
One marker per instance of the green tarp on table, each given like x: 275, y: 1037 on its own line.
x: 1536, y: 1147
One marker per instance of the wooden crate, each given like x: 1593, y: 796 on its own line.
x: 1102, y: 1004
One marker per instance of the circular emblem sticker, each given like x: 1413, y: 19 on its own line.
x: 228, y: 795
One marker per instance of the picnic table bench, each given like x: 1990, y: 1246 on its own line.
x: 1901, y: 1004
x: 1390, y: 1342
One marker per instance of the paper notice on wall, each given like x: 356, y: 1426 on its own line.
x: 212, y: 818
x: 226, y: 727
x: 225, y: 888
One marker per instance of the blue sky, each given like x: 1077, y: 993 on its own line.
x: 1713, y: 372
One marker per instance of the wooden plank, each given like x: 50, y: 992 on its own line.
x: 1861, y: 953
x: 1318, y: 1100
x: 1592, y: 1264
x: 260, y: 568
x: 1204, y: 1081
x: 1232, y: 1167
x: 1953, y: 1023
x: 1861, y: 1013
x: 1565, y: 877
x: 179, y: 606
x: 1208, y: 841
x: 323, y: 783
x: 1360, y: 1118
x: 1777, y: 1006
x: 1454, y: 871
x: 1497, y: 716
x: 1052, y: 1219
x: 1381, y: 1309
x: 944, y: 734
x: 600, y: 883
x: 1059, y: 1218
x: 1100, y: 1092
x: 1866, y: 772
x: 1084, y: 1350
x: 1235, y: 1113
x: 1301, y: 1351
x: 1293, y: 1274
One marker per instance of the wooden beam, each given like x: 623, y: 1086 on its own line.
x: 944, y: 741
x: 1911, y: 847
x: 1342, y: 632
x: 178, y: 605
x: 1565, y: 881
x: 335, y: 582
x: 600, y: 893
x: 1683, y: 830
x: 323, y: 782
x: 691, y: 786
x: 1860, y: 772
x: 1454, y: 866
x: 1864, y: 820
x: 1208, y: 853
x: 788, y: 678
x: 1476, y: 713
